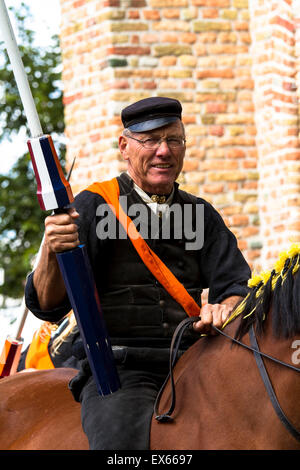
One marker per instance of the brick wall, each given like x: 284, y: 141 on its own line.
x: 203, y: 53
x: 275, y: 46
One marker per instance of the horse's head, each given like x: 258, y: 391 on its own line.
x: 277, y: 290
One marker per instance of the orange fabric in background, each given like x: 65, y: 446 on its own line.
x: 110, y: 191
x: 37, y: 356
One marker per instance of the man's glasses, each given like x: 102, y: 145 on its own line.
x: 153, y: 144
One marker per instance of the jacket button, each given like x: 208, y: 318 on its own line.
x: 162, y: 303
x: 165, y: 325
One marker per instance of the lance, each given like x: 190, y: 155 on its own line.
x: 11, y: 352
x: 54, y: 193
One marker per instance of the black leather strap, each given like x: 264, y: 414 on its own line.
x: 166, y: 417
x: 269, y: 388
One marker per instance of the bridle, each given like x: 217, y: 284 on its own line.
x: 166, y: 417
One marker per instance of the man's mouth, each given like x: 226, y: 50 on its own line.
x: 162, y: 165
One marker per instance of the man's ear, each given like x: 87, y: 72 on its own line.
x: 123, y: 142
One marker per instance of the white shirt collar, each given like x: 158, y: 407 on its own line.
x: 154, y: 206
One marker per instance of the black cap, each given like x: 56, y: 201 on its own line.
x: 151, y: 113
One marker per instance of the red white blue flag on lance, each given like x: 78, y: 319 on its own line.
x: 53, y: 190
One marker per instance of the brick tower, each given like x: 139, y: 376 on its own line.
x: 234, y: 68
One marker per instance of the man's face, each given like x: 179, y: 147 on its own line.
x: 154, y: 170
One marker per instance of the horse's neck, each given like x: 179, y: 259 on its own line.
x: 285, y: 382
x: 277, y: 346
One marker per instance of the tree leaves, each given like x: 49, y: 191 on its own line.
x: 43, y: 68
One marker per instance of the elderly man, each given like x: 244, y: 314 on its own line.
x: 140, y: 314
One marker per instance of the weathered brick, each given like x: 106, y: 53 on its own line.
x: 234, y: 119
x: 171, y: 13
x: 126, y: 26
x: 178, y: 73
x: 169, y: 37
x: 216, y: 130
x: 114, y: 62
x: 191, y: 165
x: 168, y: 61
x: 232, y: 210
x: 171, y: 25
x: 187, y: 60
x: 216, y: 108
x: 210, y: 13
x: 217, y: 164
x: 215, y: 96
x: 168, y: 50
x: 133, y: 14
x: 128, y: 50
x: 215, y: 73
x: 200, y: 26
x: 227, y: 176
x: 151, y: 15
x: 110, y: 15
x: 189, y: 13
x: 229, y: 14
x: 189, y: 38
x: 211, y: 3
x: 230, y: 37
x: 168, y: 3
x: 240, y: 3
x: 207, y: 119
x: 213, y: 188
x: 236, y: 130
x: 239, y: 220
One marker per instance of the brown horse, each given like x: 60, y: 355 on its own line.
x: 38, y: 412
x: 221, y: 401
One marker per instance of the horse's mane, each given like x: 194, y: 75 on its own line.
x: 278, y: 290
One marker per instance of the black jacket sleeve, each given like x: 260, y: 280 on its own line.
x: 223, y: 266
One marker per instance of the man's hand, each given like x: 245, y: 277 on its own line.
x: 215, y: 314
x: 61, y: 232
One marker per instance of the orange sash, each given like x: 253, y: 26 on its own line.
x: 110, y: 191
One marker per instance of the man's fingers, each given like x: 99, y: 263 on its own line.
x: 206, y: 319
x: 61, y: 231
x: 64, y: 229
x: 211, y: 314
x: 64, y: 218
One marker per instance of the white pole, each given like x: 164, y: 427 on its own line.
x: 19, y: 72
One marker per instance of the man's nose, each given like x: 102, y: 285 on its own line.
x: 163, y: 148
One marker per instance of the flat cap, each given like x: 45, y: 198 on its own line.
x: 151, y: 113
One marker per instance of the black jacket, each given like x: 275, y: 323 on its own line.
x: 137, y: 309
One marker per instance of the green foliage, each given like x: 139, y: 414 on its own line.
x: 21, y: 222
x: 21, y: 219
x: 43, y: 69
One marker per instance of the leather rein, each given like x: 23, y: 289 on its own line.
x: 166, y: 417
